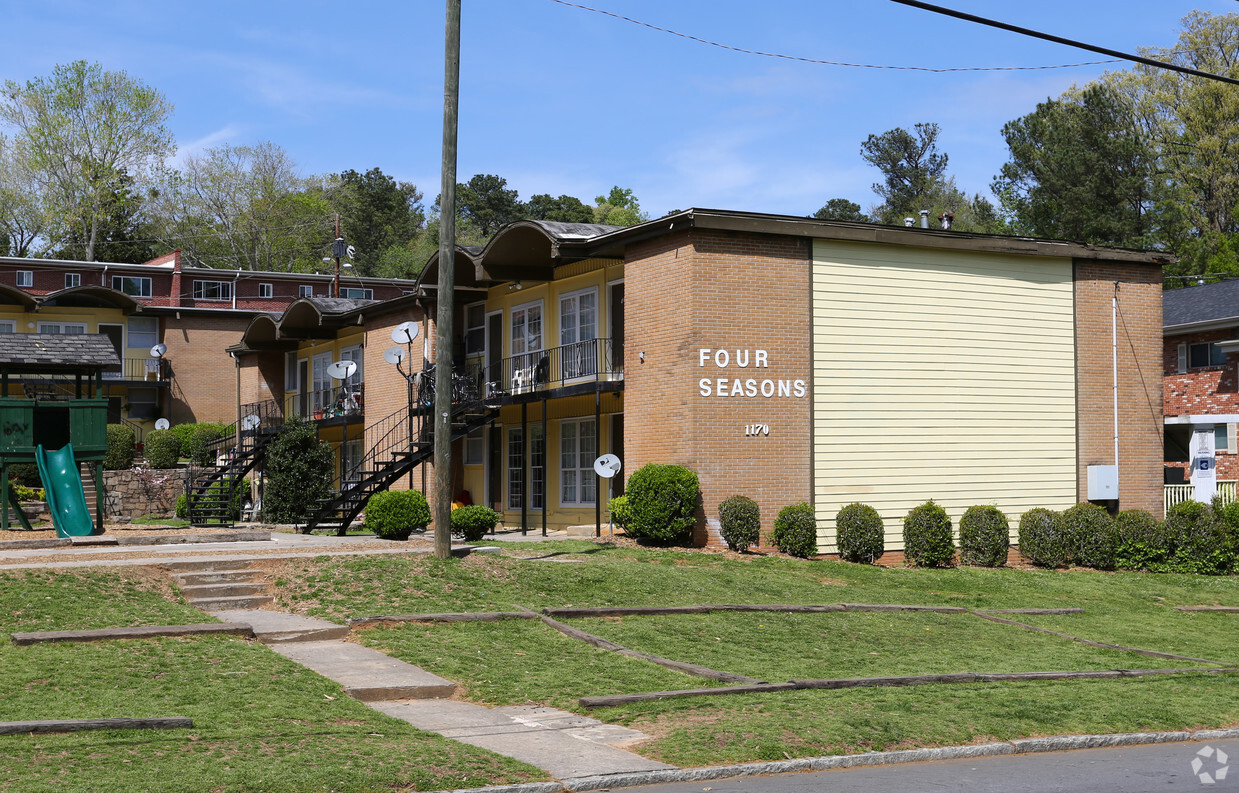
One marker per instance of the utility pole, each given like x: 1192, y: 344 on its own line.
x: 447, y: 274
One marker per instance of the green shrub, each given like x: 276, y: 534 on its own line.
x: 163, y: 449
x: 984, y: 536
x: 1043, y: 539
x: 1228, y: 527
x: 202, y: 446
x: 861, y: 536
x: 621, y: 513
x: 184, y: 434
x: 1094, y: 540
x: 23, y: 493
x: 471, y: 523
x: 795, y: 531
x: 121, y: 445
x: 395, y: 514
x: 663, y: 502
x: 300, y: 470
x: 1197, y: 540
x: 1142, y: 543
x: 739, y: 520
x: 25, y: 474
x: 182, y: 507
x: 927, y: 538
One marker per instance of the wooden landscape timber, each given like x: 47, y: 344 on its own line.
x: 77, y: 725
x: 615, y: 700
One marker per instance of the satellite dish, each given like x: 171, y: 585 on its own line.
x: 404, y: 333
x: 162, y: 424
x: 250, y: 422
x: 607, y: 466
x: 158, y: 350
x: 394, y: 355
x: 342, y: 370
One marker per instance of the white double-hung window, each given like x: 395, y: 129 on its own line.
x: 578, y: 446
x: 578, y: 332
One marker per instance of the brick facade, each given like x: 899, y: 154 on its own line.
x: 204, y: 377
x: 1139, y: 323
x: 719, y: 291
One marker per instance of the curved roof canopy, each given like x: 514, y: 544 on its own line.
x: 91, y: 296
x: 12, y: 296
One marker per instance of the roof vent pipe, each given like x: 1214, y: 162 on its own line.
x: 909, y: 222
x: 924, y: 218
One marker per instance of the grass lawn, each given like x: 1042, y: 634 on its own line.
x: 522, y: 661
x: 260, y: 722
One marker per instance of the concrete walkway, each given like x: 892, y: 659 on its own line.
x: 565, y: 745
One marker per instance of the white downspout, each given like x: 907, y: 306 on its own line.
x: 1114, y: 354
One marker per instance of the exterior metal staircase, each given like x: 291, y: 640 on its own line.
x: 211, y: 489
x: 400, y: 442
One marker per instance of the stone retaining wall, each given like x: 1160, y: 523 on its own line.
x: 145, y: 491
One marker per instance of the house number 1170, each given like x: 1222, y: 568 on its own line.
x: 751, y: 430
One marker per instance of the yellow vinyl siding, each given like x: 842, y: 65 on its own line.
x: 943, y: 375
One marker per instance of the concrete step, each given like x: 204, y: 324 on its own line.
x: 271, y: 627
x: 216, y: 577
x: 232, y: 603
x: 225, y: 589
x: 201, y: 565
x: 367, y: 675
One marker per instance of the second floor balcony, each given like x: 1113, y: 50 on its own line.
x: 583, y: 363
x: 344, y: 402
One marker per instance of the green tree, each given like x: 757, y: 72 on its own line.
x: 80, y: 130
x: 245, y: 207
x: 912, y: 169
x: 380, y: 217
x: 21, y: 214
x: 841, y: 209
x: 1192, y: 126
x: 1079, y: 169
x: 121, y: 234
x: 487, y: 204
x: 565, y: 209
x: 618, y: 208
x: 299, y: 471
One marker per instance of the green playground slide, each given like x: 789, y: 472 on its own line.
x: 66, y: 498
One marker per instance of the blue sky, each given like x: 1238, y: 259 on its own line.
x: 561, y: 100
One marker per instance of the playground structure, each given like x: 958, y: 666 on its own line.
x: 53, y: 414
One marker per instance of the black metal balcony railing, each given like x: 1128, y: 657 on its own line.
x: 144, y: 369
x: 580, y: 362
x: 326, y: 403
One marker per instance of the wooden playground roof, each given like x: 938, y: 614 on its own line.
x: 80, y: 353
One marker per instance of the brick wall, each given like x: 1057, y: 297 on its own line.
x: 386, y: 389
x: 719, y: 291
x: 204, y: 377
x: 1140, y: 389
x: 1201, y: 391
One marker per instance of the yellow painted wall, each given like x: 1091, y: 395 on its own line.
x: 351, y: 336
x: 940, y: 375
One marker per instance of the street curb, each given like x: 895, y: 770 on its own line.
x: 1021, y: 746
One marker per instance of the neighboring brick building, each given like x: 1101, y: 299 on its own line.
x: 1200, y: 339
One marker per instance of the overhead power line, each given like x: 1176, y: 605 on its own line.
x: 825, y: 62
x: 1069, y: 42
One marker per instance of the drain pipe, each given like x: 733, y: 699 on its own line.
x: 1114, y: 370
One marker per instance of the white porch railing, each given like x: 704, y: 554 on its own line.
x: 1177, y: 494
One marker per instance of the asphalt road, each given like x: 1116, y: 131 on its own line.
x: 1153, y: 768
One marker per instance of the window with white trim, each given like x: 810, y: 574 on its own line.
x: 516, y: 467
x: 527, y: 328
x: 1204, y: 354
x: 475, y: 328
x: 305, y: 290
x: 143, y: 332
x: 68, y: 328
x: 143, y: 403
x: 537, y: 467
x: 578, y: 445
x: 133, y: 285
x: 8, y: 326
x: 357, y: 293
x: 266, y: 290
x: 578, y: 328
x: 25, y: 278
x: 475, y: 445
x: 72, y: 280
x: 212, y: 290
x: 322, y: 380
x: 353, y: 354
